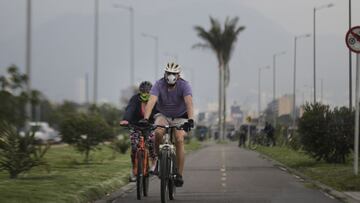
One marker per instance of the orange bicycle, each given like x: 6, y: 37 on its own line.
x: 141, y: 165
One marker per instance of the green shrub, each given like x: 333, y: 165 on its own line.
x: 85, y: 132
x: 19, y: 153
x: 342, y: 130
x: 326, y: 134
x: 120, y: 145
x: 294, y: 142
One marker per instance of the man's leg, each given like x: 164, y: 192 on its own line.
x: 159, y: 132
x: 180, y: 151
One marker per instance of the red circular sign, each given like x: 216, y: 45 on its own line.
x: 353, y: 39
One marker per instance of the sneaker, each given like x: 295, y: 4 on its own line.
x: 154, y: 169
x: 132, y: 177
x: 178, y: 180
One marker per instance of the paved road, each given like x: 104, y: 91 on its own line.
x: 226, y: 173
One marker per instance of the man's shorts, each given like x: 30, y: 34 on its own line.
x: 160, y: 119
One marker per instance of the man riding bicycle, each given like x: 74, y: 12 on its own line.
x: 173, y: 98
x: 134, y: 112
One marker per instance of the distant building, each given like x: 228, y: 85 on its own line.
x: 282, y: 106
x: 201, y: 117
x: 236, y: 115
x: 285, y: 105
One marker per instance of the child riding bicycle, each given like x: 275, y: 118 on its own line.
x: 134, y: 112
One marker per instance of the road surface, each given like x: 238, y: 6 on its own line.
x: 226, y: 173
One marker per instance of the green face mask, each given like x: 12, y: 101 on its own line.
x: 144, y: 97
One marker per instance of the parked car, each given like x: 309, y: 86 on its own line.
x: 44, y: 133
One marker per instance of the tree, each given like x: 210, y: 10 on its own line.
x: 221, y: 41
x: 110, y: 113
x: 85, y: 132
x: 13, y: 97
x: 19, y: 153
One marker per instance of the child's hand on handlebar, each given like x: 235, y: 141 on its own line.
x: 124, y: 122
x: 144, y: 122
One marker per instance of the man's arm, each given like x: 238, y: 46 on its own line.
x: 150, y: 106
x: 189, y: 106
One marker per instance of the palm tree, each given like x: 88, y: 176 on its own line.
x: 221, y: 41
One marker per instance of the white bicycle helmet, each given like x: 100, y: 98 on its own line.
x: 172, y: 68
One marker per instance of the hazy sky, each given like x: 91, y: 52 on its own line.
x: 63, y: 46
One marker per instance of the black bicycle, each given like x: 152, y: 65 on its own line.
x: 167, y: 162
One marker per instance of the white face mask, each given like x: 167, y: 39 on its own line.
x: 171, y: 79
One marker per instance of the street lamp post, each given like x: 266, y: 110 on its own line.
x: 156, y: 39
x: 96, y: 55
x: 132, y: 47
x: 87, y: 89
x: 259, y: 89
x: 294, y: 80
x: 314, y: 38
x: 28, y: 58
x: 274, y: 82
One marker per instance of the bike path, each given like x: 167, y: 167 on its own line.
x: 226, y: 173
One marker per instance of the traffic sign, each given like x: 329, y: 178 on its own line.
x: 353, y: 39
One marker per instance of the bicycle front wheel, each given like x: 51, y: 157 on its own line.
x: 171, y: 184
x: 146, y: 175
x: 164, y: 175
x: 139, y: 176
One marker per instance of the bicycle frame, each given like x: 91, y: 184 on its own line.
x: 141, y: 148
x: 167, y: 140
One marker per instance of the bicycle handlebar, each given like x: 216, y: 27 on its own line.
x: 168, y: 126
x: 134, y: 127
x: 152, y: 127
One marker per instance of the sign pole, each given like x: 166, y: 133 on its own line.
x: 353, y: 43
x: 356, y: 136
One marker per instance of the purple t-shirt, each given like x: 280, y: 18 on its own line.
x: 171, y: 103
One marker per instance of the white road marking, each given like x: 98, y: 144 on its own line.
x: 223, y: 170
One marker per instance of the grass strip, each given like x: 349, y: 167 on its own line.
x: 337, y: 176
x: 68, y: 179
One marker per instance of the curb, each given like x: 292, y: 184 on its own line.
x: 120, y: 192
x: 324, y: 188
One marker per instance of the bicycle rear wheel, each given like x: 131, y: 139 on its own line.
x: 139, y: 176
x: 164, y: 175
